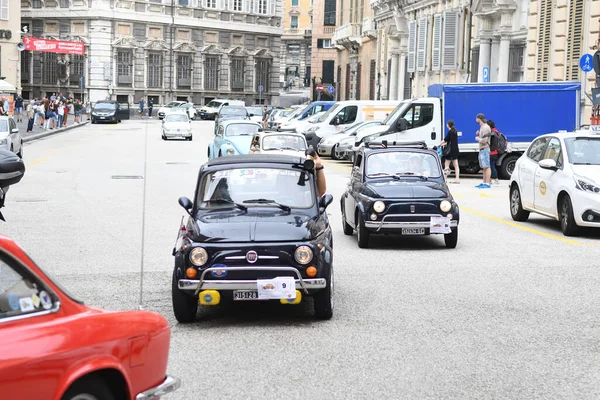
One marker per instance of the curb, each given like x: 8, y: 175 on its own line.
x: 52, y: 132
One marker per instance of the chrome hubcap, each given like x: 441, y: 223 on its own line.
x: 515, y: 201
x: 565, y: 214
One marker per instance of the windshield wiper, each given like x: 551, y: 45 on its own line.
x: 233, y: 203
x: 268, y: 201
x: 399, y: 174
x: 382, y: 175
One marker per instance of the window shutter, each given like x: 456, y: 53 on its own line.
x: 574, y: 39
x: 421, y: 44
x: 319, y: 43
x: 450, y: 39
x: 412, y: 44
x: 544, y: 37
x: 4, y: 10
x: 437, y: 42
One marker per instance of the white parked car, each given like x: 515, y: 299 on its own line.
x: 162, y: 112
x: 10, y: 137
x: 288, y: 143
x: 255, y: 113
x: 177, y: 125
x: 559, y: 177
x: 187, y: 108
x: 328, y: 146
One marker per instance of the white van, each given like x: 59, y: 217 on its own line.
x: 345, y: 113
x: 213, y: 107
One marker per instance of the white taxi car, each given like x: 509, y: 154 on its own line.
x: 559, y: 177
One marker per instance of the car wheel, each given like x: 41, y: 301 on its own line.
x: 471, y: 168
x: 567, y: 220
x: 89, y: 388
x: 185, y: 307
x: 508, y: 166
x: 190, y: 138
x: 164, y: 137
x: 20, y: 153
x: 93, y: 121
x: 363, y: 233
x: 333, y: 154
x: 451, y: 239
x: 347, y: 228
x: 323, y: 299
x: 516, y: 207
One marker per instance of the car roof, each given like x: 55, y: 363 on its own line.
x: 256, y: 159
x: 384, y: 146
x: 239, y: 121
x: 274, y: 133
x: 578, y: 133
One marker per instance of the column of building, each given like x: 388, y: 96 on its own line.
x: 395, y: 53
x: 504, y: 48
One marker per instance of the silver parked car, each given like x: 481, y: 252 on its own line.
x: 10, y: 137
x: 329, y: 145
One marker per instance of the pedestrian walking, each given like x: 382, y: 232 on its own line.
x: 66, y: 106
x: 30, y: 116
x: 3, y: 110
x: 494, y: 152
x: 41, y: 113
x: 482, y: 136
x: 450, y: 151
x: 265, y: 117
x: 61, y: 113
x: 150, y: 106
x: 19, y: 108
x: 141, y: 107
x: 77, y: 110
x: 6, y: 106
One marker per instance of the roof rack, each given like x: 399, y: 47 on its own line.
x: 384, y: 144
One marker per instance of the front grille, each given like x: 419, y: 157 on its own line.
x: 414, y: 208
x: 408, y: 218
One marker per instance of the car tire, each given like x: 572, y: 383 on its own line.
x: 333, y: 155
x: 516, y: 206
x: 568, y: 226
x: 164, y: 137
x: 93, y: 121
x: 185, y: 307
x: 345, y: 226
x: 89, y: 388
x: 20, y: 153
x: 471, y: 168
x: 208, y: 152
x: 190, y: 138
x: 323, y: 300
x: 451, y: 239
x: 362, y: 232
x: 508, y: 166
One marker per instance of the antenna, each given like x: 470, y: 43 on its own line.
x: 141, y: 305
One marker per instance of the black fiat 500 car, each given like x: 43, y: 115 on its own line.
x: 257, y: 230
x: 399, y: 188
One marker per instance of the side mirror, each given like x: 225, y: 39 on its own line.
x: 325, y: 201
x: 548, y: 163
x: 16, y: 130
x: 336, y: 121
x: 186, y: 204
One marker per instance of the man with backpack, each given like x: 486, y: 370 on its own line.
x: 497, y: 148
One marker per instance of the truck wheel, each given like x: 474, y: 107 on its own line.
x: 363, y: 233
x: 185, y: 307
x: 347, y: 228
x: 567, y: 220
x: 516, y: 207
x: 471, y: 168
x: 89, y: 388
x: 508, y: 166
x: 451, y: 239
x: 323, y: 299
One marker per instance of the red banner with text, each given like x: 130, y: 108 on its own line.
x: 53, y: 46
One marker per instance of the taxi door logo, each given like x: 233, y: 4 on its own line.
x: 543, y: 188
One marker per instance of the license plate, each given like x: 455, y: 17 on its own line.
x: 413, y: 231
x: 245, y: 295
x: 102, y: 117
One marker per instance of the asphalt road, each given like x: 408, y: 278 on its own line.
x: 512, y: 312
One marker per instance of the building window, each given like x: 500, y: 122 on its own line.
x: 293, y: 54
x: 211, y: 73
x: 329, y: 13
x: 124, y: 66
x: 372, y: 80
x: 544, y: 41
x: 76, y: 69
x: 347, y: 97
x: 237, y: 74
x: 237, y: 40
x: 210, y: 3
x: 237, y: 5
x: 294, y: 3
x: 184, y: 69
x: 51, y: 27
x: 211, y: 37
x: 407, y: 82
x: 26, y: 67
x: 262, y: 6
x: 184, y: 35
x: 358, y: 81
x: 49, y: 76
x: 324, y: 44
x: 574, y: 39
x: 36, y: 4
x: 338, y: 81
x: 262, y: 73
x: 294, y: 23
x: 64, y: 3
x: 124, y: 30
x: 155, y: 70
x: 155, y: 33
x: 263, y: 42
x: 328, y: 71
x: 78, y: 27
x: 515, y: 62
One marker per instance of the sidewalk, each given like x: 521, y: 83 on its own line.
x: 37, y: 129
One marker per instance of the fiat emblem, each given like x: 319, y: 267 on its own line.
x: 251, y: 257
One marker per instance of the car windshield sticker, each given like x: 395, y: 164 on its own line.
x: 13, y: 302
x: 439, y: 225
x: 282, y: 287
x: 46, y: 300
x: 36, y: 300
x: 26, y: 304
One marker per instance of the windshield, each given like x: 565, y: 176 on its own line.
x: 241, y: 129
x: 290, y: 142
x: 173, y: 104
x: 363, y: 126
x: 402, y: 163
x: 583, y: 151
x: 332, y: 110
x: 396, y: 113
x: 177, y: 118
x: 222, y: 188
x: 284, y: 113
x: 233, y: 111
x: 214, y: 104
x: 105, y: 106
x: 254, y: 110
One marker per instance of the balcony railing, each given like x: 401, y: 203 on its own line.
x: 368, y: 28
x: 348, y: 34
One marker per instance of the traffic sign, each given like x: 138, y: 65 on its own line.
x: 261, y: 88
x: 319, y: 87
x: 585, y: 63
x: 486, y: 74
x: 331, y: 89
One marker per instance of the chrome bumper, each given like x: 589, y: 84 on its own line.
x: 201, y: 284
x: 378, y: 225
x: 169, y: 385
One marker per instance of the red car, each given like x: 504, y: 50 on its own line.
x: 54, y: 347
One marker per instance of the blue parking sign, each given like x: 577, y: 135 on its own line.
x: 331, y: 89
x: 486, y: 74
x: 585, y: 63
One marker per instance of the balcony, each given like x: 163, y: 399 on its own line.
x: 369, y: 29
x: 348, y: 35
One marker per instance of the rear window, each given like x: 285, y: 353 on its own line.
x: 106, y: 106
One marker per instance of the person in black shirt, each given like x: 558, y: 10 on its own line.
x: 451, y: 151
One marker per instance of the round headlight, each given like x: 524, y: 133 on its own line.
x: 229, y: 151
x: 198, y: 256
x: 379, y: 206
x: 303, y: 254
x: 445, y: 206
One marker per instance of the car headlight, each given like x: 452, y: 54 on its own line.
x: 587, y: 185
x: 229, y: 151
x: 378, y: 206
x: 94, y: 113
x: 303, y: 255
x: 198, y: 256
x: 445, y: 206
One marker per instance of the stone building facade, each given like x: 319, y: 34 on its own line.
x: 324, y: 52
x: 191, y: 50
x: 296, y: 42
x: 10, y: 27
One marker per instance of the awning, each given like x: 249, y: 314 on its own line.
x: 7, y: 87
